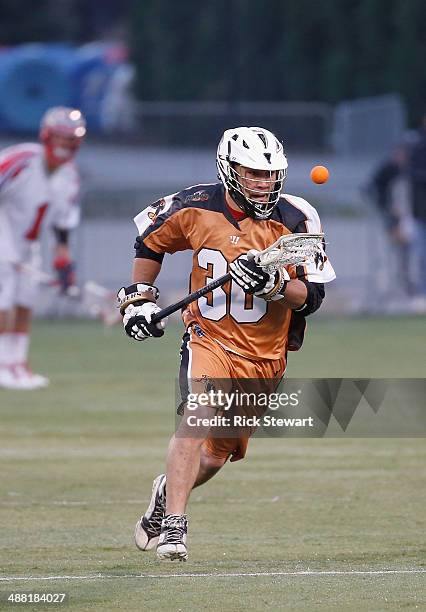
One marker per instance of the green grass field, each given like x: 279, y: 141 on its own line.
x: 308, y: 524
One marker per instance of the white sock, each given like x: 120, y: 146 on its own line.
x: 4, y: 346
x: 16, y: 345
x: 21, y: 342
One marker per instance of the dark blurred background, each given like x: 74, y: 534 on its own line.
x: 240, y: 50
x: 341, y: 82
x: 230, y: 51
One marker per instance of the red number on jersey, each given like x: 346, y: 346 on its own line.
x: 34, y: 230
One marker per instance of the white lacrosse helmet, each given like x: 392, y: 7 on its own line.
x: 63, y: 121
x: 257, y: 149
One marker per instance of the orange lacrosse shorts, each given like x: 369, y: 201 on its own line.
x: 204, y: 362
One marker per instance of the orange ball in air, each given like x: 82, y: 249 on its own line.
x: 319, y: 174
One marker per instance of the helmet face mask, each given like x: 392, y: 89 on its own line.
x: 255, y: 191
x: 62, y: 130
x: 252, y: 166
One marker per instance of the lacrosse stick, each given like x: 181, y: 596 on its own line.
x: 99, y: 300
x: 44, y: 278
x: 102, y: 303
x: 291, y: 249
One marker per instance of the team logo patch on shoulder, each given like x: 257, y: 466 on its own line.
x: 159, y: 205
x: 198, y: 196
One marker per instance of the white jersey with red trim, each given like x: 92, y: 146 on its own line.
x: 27, y: 191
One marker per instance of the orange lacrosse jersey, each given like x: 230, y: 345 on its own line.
x: 199, y: 219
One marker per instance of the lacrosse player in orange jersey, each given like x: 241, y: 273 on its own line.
x: 238, y: 331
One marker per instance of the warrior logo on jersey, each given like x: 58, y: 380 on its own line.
x: 159, y: 205
x: 198, y: 196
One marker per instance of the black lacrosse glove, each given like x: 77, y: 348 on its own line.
x: 137, y: 322
x: 251, y: 277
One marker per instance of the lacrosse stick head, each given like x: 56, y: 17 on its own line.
x: 291, y: 249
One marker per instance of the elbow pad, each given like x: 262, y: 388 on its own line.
x: 314, y: 298
x: 144, y: 252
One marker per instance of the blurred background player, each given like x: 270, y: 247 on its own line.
x: 417, y: 178
x: 240, y: 331
x: 389, y: 187
x: 35, y: 179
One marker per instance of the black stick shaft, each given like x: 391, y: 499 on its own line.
x: 192, y: 297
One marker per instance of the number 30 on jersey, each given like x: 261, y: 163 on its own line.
x: 242, y: 307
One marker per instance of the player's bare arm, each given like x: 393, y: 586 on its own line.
x: 295, y: 294
x: 145, y: 270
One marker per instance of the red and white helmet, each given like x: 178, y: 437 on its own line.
x: 63, y: 121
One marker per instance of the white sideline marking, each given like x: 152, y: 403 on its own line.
x: 218, y: 575
x: 64, y: 502
x: 19, y: 502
